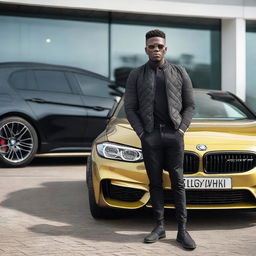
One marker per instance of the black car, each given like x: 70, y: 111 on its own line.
x: 48, y: 108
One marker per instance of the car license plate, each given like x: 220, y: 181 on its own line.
x: 207, y: 183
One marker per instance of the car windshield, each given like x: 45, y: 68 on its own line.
x: 212, y: 105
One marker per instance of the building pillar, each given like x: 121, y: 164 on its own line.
x: 233, y: 54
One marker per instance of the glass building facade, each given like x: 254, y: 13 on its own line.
x: 111, y: 44
x: 64, y: 42
x: 251, y: 65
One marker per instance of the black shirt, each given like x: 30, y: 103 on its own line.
x: 161, y: 112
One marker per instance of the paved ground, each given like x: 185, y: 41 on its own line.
x: 44, y: 211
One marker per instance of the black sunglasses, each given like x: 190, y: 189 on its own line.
x: 159, y: 46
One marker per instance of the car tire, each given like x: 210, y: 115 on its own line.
x: 18, y: 142
x: 97, y: 212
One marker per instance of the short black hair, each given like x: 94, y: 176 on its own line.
x: 155, y: 33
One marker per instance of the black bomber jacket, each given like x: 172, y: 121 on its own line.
x: 140, y: 91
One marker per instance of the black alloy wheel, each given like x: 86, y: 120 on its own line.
x: 18, y: 142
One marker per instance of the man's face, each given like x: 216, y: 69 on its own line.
x: 156, y: 48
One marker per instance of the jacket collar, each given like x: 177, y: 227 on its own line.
x: 152, y: 65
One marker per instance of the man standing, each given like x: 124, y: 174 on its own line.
x: 159, y: 105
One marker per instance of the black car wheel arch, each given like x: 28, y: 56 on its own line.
x: 18, y: 142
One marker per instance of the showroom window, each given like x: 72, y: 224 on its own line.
x: 192, y: 43
x: 110, y: 43
x: 74, y: 43
x: 251, y: 65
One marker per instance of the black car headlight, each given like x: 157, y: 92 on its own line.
x: 119, y: 152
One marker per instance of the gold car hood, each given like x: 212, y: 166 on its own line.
x: 237, y: 132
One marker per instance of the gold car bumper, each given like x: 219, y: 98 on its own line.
x: 125, y: 185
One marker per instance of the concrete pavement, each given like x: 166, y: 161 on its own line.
x: 44, y: 211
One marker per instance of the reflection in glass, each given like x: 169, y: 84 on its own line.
x: 64, y: 42
x: 52, y: 81
x: 92, y: 86
x: 198, y: 50
x: 211, y: 106
x: 214, y: 105
x: 113, y: 45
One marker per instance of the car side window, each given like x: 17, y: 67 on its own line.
x: 53, y: 81
x: 214, y: 105
x: 93, y: 86
x: 22, y: 80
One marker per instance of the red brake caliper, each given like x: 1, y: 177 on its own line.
x: 2, y: 142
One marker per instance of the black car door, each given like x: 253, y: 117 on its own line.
x: 60, y: 112
x: 99, y: 101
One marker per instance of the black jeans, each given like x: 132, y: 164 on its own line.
x: 163, y: 148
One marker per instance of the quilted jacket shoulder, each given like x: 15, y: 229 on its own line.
x: 139, y: 97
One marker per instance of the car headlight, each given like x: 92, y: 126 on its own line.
x: 119, y: 152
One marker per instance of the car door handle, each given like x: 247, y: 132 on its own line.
x: 38, y: 100
x: 98, y: 108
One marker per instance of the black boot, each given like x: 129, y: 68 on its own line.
x: 185, y: 239
x: 157, y: 233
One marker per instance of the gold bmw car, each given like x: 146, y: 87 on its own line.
x: 219, y: 160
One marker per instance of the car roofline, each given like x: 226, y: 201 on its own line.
x: 46, y: 65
